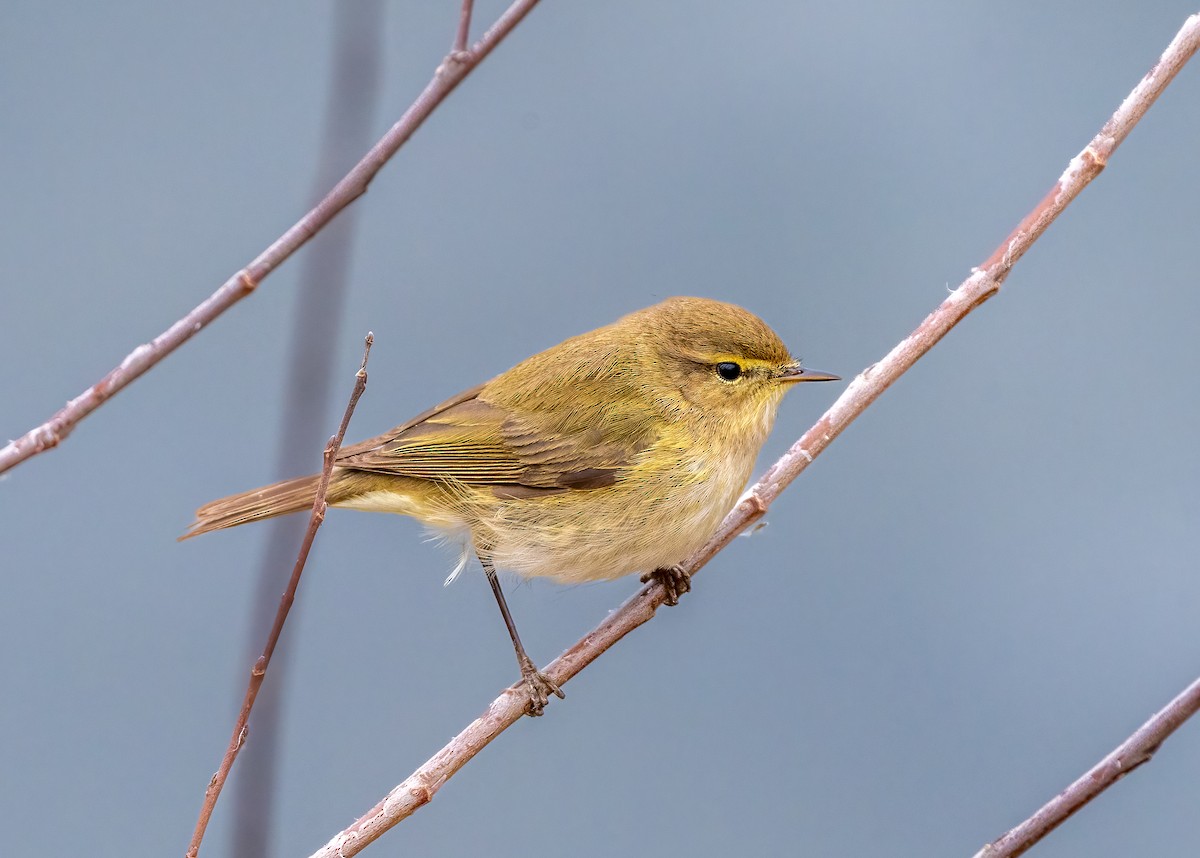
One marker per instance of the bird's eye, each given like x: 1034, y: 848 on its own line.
x: 729, y: 371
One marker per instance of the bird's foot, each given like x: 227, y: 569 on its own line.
x: 675, y: 581
x: 539, y: 686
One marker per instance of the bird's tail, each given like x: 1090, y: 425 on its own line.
x: 255, y: 505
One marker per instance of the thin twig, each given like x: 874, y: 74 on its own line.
x: 464, y: 26
x: 259, y: 670
x: 504, y: 711
x: 323, y: 281
x: 352, y: 186
x: 1126, y: 757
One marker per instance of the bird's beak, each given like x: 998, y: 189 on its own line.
x: 799, y: 373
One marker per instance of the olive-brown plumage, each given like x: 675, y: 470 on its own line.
x: 616, y: 451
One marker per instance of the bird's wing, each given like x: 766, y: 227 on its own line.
x: 518, y: 452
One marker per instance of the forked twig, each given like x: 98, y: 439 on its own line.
x: 323, y: 283
x: 984, y: 282
x: 259, y: 670
x: 352, y: 186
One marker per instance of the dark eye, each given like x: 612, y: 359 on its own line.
x: 729, y: 370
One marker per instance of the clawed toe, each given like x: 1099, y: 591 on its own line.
x: 540, y: 687
x: 675, y: 582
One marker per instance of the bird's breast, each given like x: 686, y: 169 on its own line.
x: 656, y: 515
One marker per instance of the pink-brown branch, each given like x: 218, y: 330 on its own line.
x: 463, y: 35
x: 323, y: 282
x: 1126, y: 757
x: 985, y: 281
x: 353, y: 185
x: 259, y: 671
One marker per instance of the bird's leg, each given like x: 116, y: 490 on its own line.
x: 675, y: 581
x: 539, y: 685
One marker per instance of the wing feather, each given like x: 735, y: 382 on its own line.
x: 470, y: 441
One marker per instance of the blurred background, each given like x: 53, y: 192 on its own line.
x: 984, y: 584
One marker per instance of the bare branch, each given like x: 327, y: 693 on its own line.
x: 1126, y: 757
x: 464, y: 26
x: 259, y: 671
x: 420, y: 787
x: 322, y: 284
x: 352, y: 186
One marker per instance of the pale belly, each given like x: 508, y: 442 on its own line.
x: 582, y: 536
x: 614, y: 533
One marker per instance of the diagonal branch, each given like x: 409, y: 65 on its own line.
x: 352, y: 186
x: 984, y: 282
x: 1122, y: 760
x: 259, y: 671
x: 322, y: 288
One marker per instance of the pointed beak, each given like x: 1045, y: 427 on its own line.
x: 799, y: 373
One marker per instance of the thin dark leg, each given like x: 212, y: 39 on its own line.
x: 540, y: 686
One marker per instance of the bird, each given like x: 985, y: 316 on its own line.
x: 617, y: 451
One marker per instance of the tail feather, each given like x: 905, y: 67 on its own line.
x: 255, y: 505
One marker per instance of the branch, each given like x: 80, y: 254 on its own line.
x: 464, y: 26
x: 322, y: 284
x: 259, y: 671
x: 420, y: 788
x: 352, y: 186
x: 1126, y: 757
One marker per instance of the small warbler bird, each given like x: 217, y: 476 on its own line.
x: 616, y: 451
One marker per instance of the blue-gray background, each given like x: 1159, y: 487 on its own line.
x: 987, y: 582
